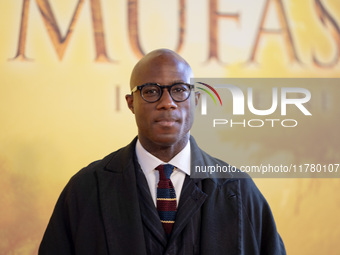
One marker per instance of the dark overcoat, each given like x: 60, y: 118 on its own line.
x: 99, y: 213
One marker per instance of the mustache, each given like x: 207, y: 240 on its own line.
x: 167, y: 117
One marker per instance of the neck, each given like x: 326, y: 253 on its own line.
x: 164, y: 152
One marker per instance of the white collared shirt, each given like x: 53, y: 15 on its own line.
x: 149, y: 162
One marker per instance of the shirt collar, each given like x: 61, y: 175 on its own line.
x: 149, y: 162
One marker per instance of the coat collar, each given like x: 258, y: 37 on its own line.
x: 122, y: 217
x: 119, y: 173
x: 117, y: 187
x: 200, y: 158
x: 121, y: 160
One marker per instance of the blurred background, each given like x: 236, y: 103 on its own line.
x: 65, y: 68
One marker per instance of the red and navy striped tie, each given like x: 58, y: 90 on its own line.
x: 166, y: 197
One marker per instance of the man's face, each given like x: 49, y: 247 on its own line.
x: 165, y: 122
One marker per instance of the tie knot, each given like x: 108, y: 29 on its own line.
x: 165, y: 171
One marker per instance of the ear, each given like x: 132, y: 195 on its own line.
x: 197, y: 96
x: 129, y: 101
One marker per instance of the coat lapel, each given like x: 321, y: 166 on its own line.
x: 192, y: 198
x: 149, y: 212
x: 119, y: 204
x: 122, y: 213
x: 222, y: 209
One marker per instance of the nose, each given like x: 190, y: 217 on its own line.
x: 166, y: 101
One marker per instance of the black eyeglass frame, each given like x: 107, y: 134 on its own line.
x: 162, y: 87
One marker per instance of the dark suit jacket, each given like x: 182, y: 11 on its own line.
x: 99, y: 212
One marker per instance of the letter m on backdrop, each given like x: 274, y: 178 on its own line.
x: 59, y: 41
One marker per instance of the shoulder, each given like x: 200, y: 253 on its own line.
x: 86, y: 179
x: 238, y: 188
x: 221, y: 173
x: 205, y: 166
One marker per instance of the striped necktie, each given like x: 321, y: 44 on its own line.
x: 166, y: 197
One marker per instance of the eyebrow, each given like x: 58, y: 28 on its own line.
x: 178, y: 81
x: 173, y: 82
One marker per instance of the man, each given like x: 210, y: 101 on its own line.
x: 141, y: 199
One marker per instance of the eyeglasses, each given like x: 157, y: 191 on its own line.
x: 152, y: 92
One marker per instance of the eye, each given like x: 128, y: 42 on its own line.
x: 151, y: 91
x: 179, y: 88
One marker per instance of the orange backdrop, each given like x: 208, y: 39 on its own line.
x: 65, y: 67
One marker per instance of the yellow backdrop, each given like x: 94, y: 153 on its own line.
x: 65, y: 67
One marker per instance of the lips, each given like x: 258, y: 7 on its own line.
x: 166, y: 122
